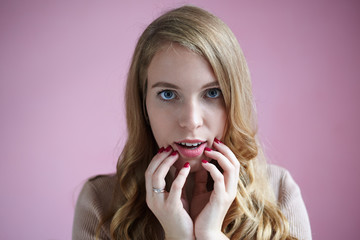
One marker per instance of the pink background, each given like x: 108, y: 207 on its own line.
x: 62, y: 70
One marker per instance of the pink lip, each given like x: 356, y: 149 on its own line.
x: 191, y: 153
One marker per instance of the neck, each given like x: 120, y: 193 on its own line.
x: 189, y: 186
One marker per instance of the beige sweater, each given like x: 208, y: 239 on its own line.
x: 97, y: 192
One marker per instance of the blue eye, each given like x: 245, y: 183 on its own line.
x: 167, y: 94
x: 213, y: 93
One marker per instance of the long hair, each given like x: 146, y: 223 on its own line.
x: 254, y: 213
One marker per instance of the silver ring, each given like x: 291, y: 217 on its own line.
x: 158, y: 190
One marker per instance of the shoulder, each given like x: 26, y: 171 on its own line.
x: 101, y: 185
x: 282, y: 183
x: 288, y: 195
x: 97, y: 191
x: 91, y: 206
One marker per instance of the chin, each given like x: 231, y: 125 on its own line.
x: 195, y: 163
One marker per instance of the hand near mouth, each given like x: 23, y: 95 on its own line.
x: 209, y: 208
x: 168, y: 207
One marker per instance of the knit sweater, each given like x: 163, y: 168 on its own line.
x: 96, y: 196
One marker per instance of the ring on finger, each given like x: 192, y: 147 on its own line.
x: 158, y: 190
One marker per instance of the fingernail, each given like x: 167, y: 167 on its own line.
x: 208, y: 149
x: 186, y: 165
x: 217, y: 140
x: 204, y: 161
x: 168, y: 149
x: 173, y: 153
x: 161, y: 150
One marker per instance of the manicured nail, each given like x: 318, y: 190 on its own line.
x: 168, y: 149
x: 161, y: 150
x: 217, y: 140
x: 204, y: 161
x: 186, y: 165
x: 173, y: 153
x: 208, y: 149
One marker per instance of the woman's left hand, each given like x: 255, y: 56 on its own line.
x: 209, y: 208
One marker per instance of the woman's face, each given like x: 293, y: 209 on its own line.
x: 184, y: 103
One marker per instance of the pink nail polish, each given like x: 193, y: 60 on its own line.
x: 204, y: 161
x: 161, y: 150
x: 186, y: 165
x: 217, y: 140
x: 173, y: 153
x: 168, y: 149
x: 208, y: 149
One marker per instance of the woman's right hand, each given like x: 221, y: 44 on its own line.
x: 168, y: 207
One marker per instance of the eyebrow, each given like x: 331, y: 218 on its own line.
x: 164, y: 84
x: 170, y: 85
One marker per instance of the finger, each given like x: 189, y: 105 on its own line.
x: 231, y: 173
x: 158, y: 178
x: 226, y: 151
x: 158, y: 158
x: 178, y: 183
x: 219, y: 183
x: 223, y: 161
x: 153, y: 165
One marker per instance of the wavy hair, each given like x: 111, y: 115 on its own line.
x: 254, y: 213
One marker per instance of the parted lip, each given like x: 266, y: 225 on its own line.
x: 190, y: 141
x: 190, y: 148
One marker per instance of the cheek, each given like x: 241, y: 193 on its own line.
x: 217, y: 119
x: 221, y: 122
x: 160, y: 125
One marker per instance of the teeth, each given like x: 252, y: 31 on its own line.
x: 190, y: 144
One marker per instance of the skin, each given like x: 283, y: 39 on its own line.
x: 184, y: 103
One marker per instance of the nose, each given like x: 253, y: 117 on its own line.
x: 191, y: 115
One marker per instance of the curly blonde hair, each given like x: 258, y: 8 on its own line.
x: 254, y: 214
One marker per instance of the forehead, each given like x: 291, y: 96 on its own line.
x: 175, y: 63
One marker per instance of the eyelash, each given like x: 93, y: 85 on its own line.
x: 175, y: 95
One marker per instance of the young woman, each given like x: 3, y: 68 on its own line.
x: 192, y: 167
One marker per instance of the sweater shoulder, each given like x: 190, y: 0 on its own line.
x: 92, y: 206
x: 102, y: 183
x: 289, y: 199
x: 282, y: 182
x: 100, y: 188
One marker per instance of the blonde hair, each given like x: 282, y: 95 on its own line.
x: 254, y: 213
